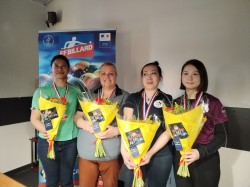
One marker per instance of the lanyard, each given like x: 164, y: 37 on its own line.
x: 56, y: 90
x: 196, y: 101
x: 144, y: 110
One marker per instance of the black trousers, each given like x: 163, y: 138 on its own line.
x: 203, y: 172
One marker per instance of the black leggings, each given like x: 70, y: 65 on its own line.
x: 203, y: 173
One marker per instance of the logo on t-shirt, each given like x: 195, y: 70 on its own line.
x: 158, y: 104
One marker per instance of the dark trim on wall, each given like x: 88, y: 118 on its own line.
x: 14, y: 110
x: 17, y: 110
x: 238, y: 128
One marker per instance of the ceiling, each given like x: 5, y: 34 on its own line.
x: 42, y: 2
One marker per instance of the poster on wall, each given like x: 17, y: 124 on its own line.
x: 86, y: 51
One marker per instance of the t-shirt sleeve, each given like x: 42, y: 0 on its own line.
x: 129, y: 103
x: 219, y: 113
x: 124, y: 99
x: 35, y: 104
x: 122, y: 102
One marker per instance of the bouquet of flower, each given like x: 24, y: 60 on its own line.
x: 52, y: 112
x: 137, y: 136
x: 101, y: 112
x: 184, y: 127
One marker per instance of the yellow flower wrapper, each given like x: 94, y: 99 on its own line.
x: 185, y: 127
x: 53, y: 112
x: 137, y: 136
x: 102, y: 115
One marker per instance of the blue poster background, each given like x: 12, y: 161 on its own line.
x: 86, y: 51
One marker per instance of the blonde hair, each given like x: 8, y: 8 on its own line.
x: 109, y: 64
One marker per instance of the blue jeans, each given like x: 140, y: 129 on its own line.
x: 156, y: 172
x: 58, y: 170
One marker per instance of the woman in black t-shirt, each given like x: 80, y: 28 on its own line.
x: 157, y: 163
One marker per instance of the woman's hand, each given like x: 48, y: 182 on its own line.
x: 128, y: 161
x: 110, y: 132
x: 46, y: 135
x: 146, y: 159
x: 190, y: 157
x: 87, y: 126
x: 127, y: 158
x: 83, y: 124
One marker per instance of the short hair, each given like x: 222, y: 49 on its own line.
x: 156, y: 64
x: 62, y: 57
x: 109, y: 64
x: 202, y: 71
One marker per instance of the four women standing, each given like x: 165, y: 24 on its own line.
x: 203, y: 159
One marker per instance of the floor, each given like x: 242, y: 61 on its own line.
x: 28, y: 176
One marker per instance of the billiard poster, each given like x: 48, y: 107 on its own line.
x: 86, y: 51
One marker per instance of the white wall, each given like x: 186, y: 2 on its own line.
x: 20, y: 21
x: 15, y: 146
x: 234, y: 168
x: 172, y: 32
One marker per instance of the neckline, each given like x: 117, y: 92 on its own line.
x: 102, y: 94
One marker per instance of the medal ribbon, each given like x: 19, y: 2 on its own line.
x: 56, y: 90
x: 196, y: 101
x: 144, y: 111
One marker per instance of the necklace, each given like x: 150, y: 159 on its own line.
x: 109, y: 95
x: 148, y: 99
